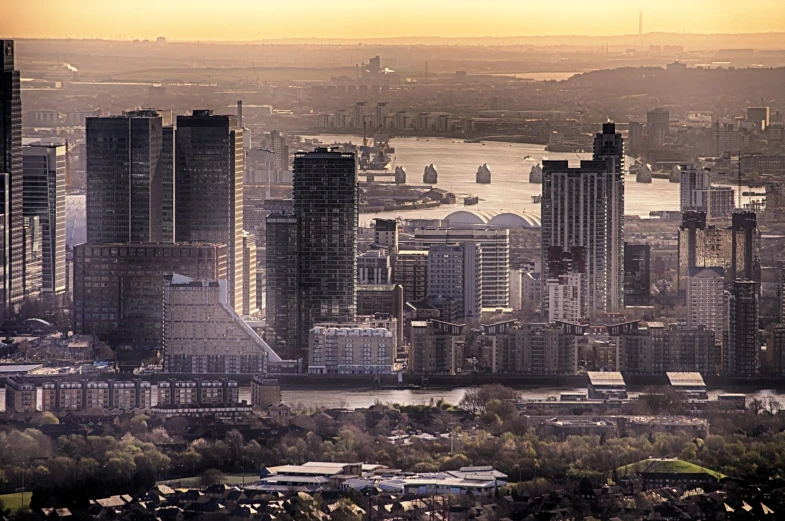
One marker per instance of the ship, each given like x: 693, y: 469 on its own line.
x: 472, y: 141
x: 484, y: 175
x: 430, y: 176
x: 535, y: 175
x: 377, y: 155
x: 400, y: 175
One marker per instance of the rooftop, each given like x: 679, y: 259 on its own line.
x: 686, y: 379
x: 11, y: 369
x: 503, y: 219
x: 606, y: 378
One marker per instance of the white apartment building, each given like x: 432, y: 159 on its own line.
x: 564, y: 297
x: 455, y: 271
x: 705, y: 299
x: 495, y: 250
x: 351, y: 349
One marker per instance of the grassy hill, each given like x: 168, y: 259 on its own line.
x: 666, y: 466
x: 14, y: 501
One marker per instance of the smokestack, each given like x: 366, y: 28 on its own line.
x: 640, y: 23
x: 240, y: 113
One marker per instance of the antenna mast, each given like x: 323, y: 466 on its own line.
x: 741, y: 204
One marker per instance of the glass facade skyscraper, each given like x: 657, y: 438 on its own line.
x: 11, y: 165
x: 326, y: 200
x: 208, y: 205
x: 129, y: 166
x: 44, y: 197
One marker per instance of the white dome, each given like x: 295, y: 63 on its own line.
x: 518, y: 219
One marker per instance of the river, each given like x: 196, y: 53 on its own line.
x: 510, y: 190
x: 362, y: 398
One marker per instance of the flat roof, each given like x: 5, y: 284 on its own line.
x: 6, y: 369
x: 686, y: 379
x: 606, y: 378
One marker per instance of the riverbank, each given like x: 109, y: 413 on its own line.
x: 308, y: 382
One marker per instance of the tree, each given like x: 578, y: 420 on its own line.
x: 211, y: 477
x: 771, y: 405
x: 48, y: 419
x: 756, y: 405
x: 477, y: 399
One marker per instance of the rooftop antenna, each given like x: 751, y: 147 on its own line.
x: 741, y: 204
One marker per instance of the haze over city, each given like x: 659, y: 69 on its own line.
x: 246, y: 20
x: 407, y: 261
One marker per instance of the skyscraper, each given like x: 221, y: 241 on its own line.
x: 735, y: 249
x: 637, y: 274
x: 44, y: 197
x: 11, y: 165
x: 584, y: 206
x: 741, y: 355
x: 209, y: 188
x: 281, y: 265
x: 745, y: 246
x: 129, y: 165
x: 326, y: 201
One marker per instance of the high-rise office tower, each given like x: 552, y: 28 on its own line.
x: 44, y: 197
x: 209, y: 188
x: 657, y: 126
x: 455, y: 272
x: 585, y: 207
x: 742, y: 350
x: 326, y: 206
x: 281, y: 269
x: 129, y: 165
x: 11, y: 165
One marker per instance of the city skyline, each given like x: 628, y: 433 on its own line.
x: 246, y: 20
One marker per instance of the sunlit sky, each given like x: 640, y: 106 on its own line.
x: 258, y: 19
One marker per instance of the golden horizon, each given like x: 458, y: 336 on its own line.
x: 249, y: 20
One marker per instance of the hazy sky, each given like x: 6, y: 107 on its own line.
x: 258, y: 19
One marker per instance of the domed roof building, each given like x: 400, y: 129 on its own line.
x: 501, y: 219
